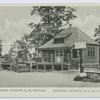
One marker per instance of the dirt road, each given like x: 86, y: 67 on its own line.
x: 42, y: 79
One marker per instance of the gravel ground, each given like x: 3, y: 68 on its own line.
x: 42, y: 79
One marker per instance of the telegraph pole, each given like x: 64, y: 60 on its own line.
x: 0, y: 54
x: 81, y: 60
x: 80, y: 45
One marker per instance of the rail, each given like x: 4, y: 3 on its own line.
x: 13, y: 64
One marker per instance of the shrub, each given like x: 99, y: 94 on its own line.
x: 79, y: 78
x: 88, y: 78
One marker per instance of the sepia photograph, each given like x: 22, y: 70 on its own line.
x: 49, y: 46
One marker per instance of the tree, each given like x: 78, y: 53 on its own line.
x: 53, y: 18
x: 21, y: 47
x: 97, y: 32
x: 0, y: 47
x: 24, y: 47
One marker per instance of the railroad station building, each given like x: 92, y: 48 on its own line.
x: 61, y: 49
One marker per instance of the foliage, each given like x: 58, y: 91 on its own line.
x: 97, y: 31
x: 53, y: 18
x: 90, y: 78
x: 24, y: 46
x: 79, y: 78
x: 0, y: 47
x: 21, y: 47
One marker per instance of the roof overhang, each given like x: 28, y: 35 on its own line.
x: 54, y: 48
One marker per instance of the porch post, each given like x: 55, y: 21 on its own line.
x: 0, y: 63
x: 62, y: 68
x: 10, y: 66
x: 44, y: 67
x: 54, y: 59
x: 31, y: 66
x: 52, y: 67
x: 70, y: 58
x: 78, y: 56
x: 37, y: 67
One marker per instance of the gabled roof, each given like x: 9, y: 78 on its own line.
x: 71, y: 36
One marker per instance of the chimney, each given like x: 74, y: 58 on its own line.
x: 70, y: 26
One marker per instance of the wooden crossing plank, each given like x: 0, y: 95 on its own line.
x: 92, y: 70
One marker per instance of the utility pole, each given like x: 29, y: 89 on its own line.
x: 80, y: 45
x: 81, y: 60
x: 0, y: 54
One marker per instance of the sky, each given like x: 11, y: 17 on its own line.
x: 14, y: 22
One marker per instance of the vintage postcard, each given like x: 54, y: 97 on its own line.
x: 50, y: 50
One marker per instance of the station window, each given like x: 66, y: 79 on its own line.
x: 91, y: 51
x: 59, y: 40
x: 59, y: 53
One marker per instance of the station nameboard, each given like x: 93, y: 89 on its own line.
x: 80, y: 45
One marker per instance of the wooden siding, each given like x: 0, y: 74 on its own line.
x: 91, y: 59
x: 48, y: 56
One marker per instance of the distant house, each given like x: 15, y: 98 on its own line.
x: 61, y: 49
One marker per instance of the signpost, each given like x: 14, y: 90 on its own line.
x: 80, y: 45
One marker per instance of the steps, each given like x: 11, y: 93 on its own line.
x: 13, y: 64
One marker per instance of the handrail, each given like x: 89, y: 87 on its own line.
x: 13, y: 62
